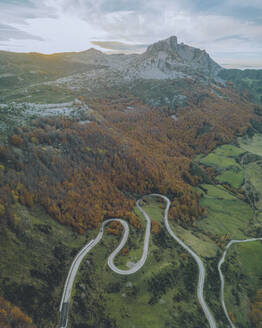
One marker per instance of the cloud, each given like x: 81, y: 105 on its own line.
x: 17, y: 12
x: 8, y: 32
x: 233, y: 37
x: 120, y: 46
x: 219, y: 26
x: 246, y: 4
x: 147, y: 21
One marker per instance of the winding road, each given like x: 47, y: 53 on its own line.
x: 64, y: 304
x: 222, y: 279
x: 65, y: 301
x: 202, y: 271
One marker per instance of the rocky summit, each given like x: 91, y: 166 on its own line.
x: 169, y: 59
x: 166, y: 59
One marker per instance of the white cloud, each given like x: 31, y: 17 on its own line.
x: 8, y: 32
x: 245, y: 3
x: 15, y: 12
x: 70, y: 25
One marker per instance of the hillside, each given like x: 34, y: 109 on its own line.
x: 29, y: 77
x: 82, y: 137
x: 247, y: 82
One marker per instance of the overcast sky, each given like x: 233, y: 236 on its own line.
x: 230, y: 30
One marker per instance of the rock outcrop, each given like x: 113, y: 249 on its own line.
x: 166, y: 59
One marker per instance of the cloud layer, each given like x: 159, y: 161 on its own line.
x: 8, y: 32
x: 231, y: 30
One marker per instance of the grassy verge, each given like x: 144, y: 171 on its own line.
x: 243, y: 272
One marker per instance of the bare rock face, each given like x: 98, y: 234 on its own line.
x: 163, y: 60
x: 168, y: 59
x: 168, y: 45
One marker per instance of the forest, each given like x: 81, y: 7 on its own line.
x: 84, y: 173
x: 11, y: 316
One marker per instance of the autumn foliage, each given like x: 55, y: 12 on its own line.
x: 114, y: 228
x: 125, y: 251
x: 11, y: 316
x: 256, y: 310
x: 85, y: 173
x: 155, y: 227
x: 16, y: 140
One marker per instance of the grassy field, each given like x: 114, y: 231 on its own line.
x: 219, y: 162
x: 225, y: 214
x: 229, y: 151
x: 218, y: 192
x: 252, y: 145
x: 228, y: 215
x: 234, y: 177
x: 243, y: 273
x: 200, y: 243
x: 155, y: 209
x: 203, y: 245
x: 250, y: 259
x: 222, y: 156
x: 224, y: 160
x: 254, y: 178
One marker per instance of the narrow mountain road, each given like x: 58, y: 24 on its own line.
x: 137, y: 266
x: 222, y: 279
x: 64, y: 305
x: 65, y: 301
x: 202, y: 271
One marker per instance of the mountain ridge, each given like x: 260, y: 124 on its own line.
x: 162, y: 60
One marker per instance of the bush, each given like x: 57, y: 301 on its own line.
x: 16, y: 140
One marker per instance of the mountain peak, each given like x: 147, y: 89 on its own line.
x: 93, y: 51
x: 167, y: 45
x: 172, y: 59
x: 165, y: 59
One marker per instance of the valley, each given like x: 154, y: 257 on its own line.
x: 221, y: 236
x: 218, y: 241
x: 83, y: 137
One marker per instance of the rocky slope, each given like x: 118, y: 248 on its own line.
x: 63, y: 77
x: 166, y: 59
